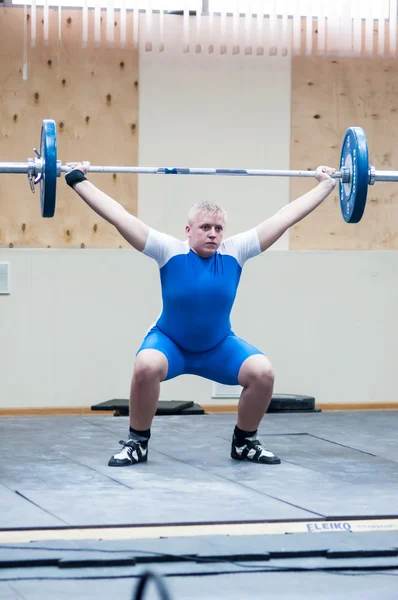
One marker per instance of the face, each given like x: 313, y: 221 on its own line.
x: 205, y: 234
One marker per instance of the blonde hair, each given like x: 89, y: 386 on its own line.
x: 205, y: 207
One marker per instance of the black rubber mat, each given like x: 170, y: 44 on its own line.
x: 279, y: 403
x: 120, y: 407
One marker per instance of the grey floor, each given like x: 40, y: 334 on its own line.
x: 53, y: 470
x: 54, y: 473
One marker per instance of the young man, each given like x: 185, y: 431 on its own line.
x: 199, y: 279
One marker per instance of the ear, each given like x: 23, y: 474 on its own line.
x: 188, y: 231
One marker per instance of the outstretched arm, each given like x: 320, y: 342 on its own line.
x: 273, y: 228
x: 132, y: 229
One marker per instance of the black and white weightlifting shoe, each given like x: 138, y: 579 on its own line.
x: 133, y: 452
x: 254, y: 450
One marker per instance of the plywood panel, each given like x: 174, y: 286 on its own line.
x: 92, y: 94
x: 328, y: 96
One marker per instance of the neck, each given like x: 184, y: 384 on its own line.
x: 198, y: 253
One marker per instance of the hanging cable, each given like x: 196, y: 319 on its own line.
x: 136, y: 21
x: 25, y: 43
x: 198, y: 32
x: 33, y: 24
x: 185, y: 47
x: 97, y: 23
x: 148, y: 26
x: 161, y: 29
x: 235, y: 24
x: 248, y: 27
x: 110, y: 24
x: 84, y: 24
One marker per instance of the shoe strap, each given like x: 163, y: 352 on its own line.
x: 130, y: 443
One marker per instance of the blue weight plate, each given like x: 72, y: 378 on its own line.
x: 354, y: 155
x: 48, y: 183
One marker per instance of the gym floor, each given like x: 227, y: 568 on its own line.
x: 328, y: 515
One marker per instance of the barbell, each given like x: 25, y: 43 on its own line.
x: 355, y: 174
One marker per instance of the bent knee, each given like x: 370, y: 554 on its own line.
x: 257, y: 370
x: 263, y: 375
x: 150, y: 365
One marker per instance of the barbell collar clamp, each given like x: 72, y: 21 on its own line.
x: 345, y: 174
x: 38, y: 168
x: 372, y: 175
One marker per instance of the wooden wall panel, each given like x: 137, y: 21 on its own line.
x: 328, y: 96
x: 92, y: 94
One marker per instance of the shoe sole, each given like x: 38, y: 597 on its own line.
x: 128, y: 464
x: 261, y: 462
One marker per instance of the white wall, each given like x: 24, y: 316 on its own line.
x: 212, y: 110
x: 74, y: 319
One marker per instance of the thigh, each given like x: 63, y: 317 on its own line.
x: 156, y: 340
x: 222, y: 363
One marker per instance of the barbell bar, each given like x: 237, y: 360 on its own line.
x: 355, y: 174
x: 37, y: 165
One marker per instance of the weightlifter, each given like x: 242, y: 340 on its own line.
x: 199, y: 280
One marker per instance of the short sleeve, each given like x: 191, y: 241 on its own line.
x: 242, y: 246
x: 161, y: 247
